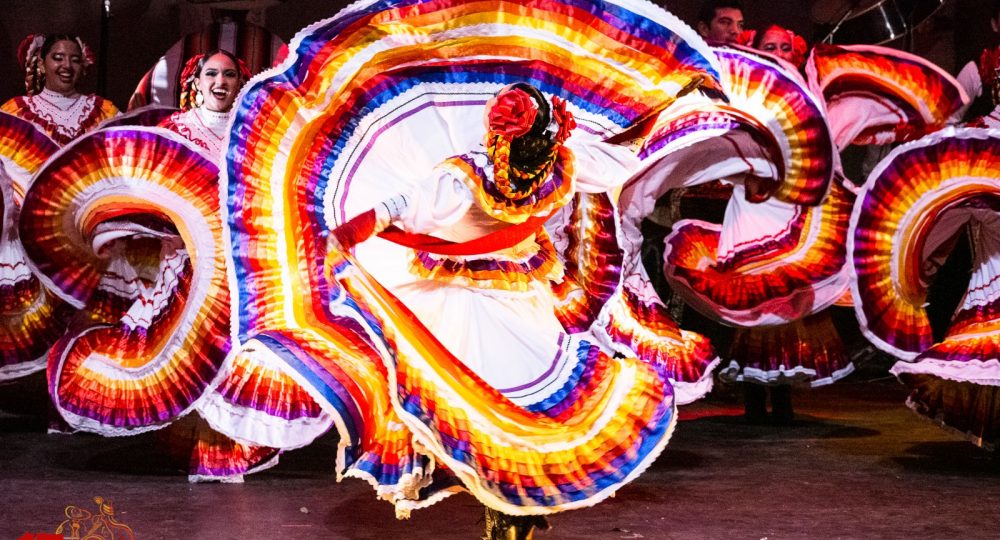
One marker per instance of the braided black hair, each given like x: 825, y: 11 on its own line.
x: 534, y: 147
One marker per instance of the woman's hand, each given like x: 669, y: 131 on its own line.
x: 356, y: 230
x: 363, y: 226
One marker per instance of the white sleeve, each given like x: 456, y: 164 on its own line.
x: 601, y: 166
x: 438, y: 202
x: 970, y: 80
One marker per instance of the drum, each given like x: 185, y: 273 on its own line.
x: 870, y: 22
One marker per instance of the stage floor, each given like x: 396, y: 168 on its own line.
x: 856, y: 464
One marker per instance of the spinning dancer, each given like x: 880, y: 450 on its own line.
x: 495, y: 311
x: 449, y: 368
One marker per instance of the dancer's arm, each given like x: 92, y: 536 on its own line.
x: 363, y: 226
x: 439, y: 202
x: 601, y: 166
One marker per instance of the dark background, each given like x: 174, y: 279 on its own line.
x: 142, y: 30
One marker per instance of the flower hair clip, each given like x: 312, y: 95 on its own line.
x: 799, y: 48
x: 563, y: 118
x: 513, y: 113
x: 89, y: 58
x: 29, y: 48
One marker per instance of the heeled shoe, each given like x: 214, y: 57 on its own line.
x: 500, y: 526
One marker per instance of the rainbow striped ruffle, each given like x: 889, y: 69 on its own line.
x: 913, y: 95
x: 770, y: 275
x: 789, y: 146
x: 770, y: 127
x: 647, y: 330
x: 908, y: 213
x: 366, y: 104
x: 584, y: 236
x: 32, y: 317
x: 585, y: 233
x: 777, y: 102
x: 598, y: 431
x: 258, y: 401
x: 125, y: 224
x: 805, y: 351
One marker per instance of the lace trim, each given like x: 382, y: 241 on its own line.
x: 204, y: 128
x: 63, y: 118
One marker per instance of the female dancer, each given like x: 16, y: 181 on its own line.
x: 765, y: 350
x: 782, y: 43
x: 405, y: 350
x: 212, y: 81
x: 54, y: 65
x: 495, y: 311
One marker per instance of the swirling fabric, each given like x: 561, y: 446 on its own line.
x: 911, y: 210
x: 911, y: 207
x: 32, y: 317
x: 775, y: 256
x: 124, y: 223
x: 785, y: 264
x: 879, y: 95
x: 366, y: 104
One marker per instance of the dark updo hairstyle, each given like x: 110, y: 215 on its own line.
x: 534, y: 147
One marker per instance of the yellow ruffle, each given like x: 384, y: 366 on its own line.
x: 505, y: 209
x: 512, y: 269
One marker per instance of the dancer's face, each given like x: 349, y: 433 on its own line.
x: 218, y: 83
x: 778, y: 43
x: 63, y: 67
x: 725, y: 26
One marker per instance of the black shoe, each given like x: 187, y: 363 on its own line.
x: 781, y: 405
x: 754, y: 403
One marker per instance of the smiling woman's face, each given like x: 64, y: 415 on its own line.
x: 63, y: 67
x: 218, y: 83
x: 778, y: 43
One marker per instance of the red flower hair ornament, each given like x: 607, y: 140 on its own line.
x: 513, y: 113
x: 563, y: 118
